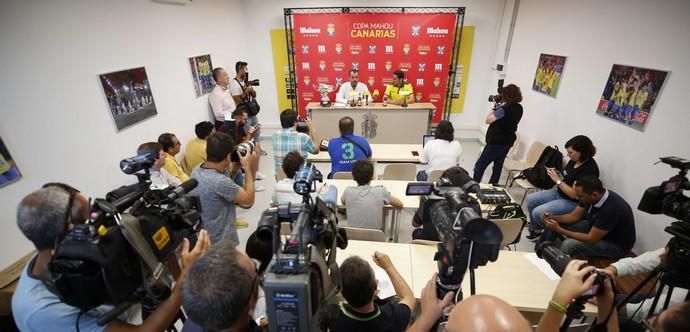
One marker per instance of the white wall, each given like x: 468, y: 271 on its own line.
x: 594, y: 35
x: 55, y: 118
x: 262, y: 16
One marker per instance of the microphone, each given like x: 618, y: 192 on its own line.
x: 182, y: 189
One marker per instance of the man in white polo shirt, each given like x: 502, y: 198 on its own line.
x: 354, y: 90
x: 220, y: 100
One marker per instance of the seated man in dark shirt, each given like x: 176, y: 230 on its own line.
x: 601, y: 225
x: 359, y: 289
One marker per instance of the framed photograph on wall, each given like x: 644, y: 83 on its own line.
x: 8, y: 168
x: 129, y: 96
x: 202, y: 74
x: 630, y: 94
x: 547, y: 79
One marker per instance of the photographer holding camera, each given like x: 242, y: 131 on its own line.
x: 44, y: 217
x: 218, y: 192
x: 243, y: 93
x: 503, y: 123
x: 289, y: 139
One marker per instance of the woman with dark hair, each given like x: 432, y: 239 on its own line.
x: 562, y: 199
x: 503, y: 122
x: 442, y: 152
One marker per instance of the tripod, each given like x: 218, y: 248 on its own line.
x: 666, y: 280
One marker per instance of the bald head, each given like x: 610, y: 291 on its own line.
x: 486, y: 313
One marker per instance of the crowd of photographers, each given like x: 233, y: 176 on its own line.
x: 219, y: 286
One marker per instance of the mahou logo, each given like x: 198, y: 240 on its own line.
x: 309, y: 31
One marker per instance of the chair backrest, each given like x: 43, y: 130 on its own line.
x: 402, y: 172
x: 433, y: 176
x: 511, y: 152
x: 343, y: 176
x: 281, y: 174
x: 510, y: 228
x: 425, y: 242
x: 365, y: 234
x: 534, y: 152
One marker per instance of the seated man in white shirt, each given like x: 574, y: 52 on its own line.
x: 160, y: 178
x: 284, y: 192
x: 354, y: 90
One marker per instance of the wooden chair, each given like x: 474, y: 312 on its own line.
x: 511, y: 230
x: 435, y: 175
x: 403, y: 172
x: 343, y: 176
x: 365, y: 234
x: 516, y: 166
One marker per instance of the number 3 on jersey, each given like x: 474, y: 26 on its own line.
x: 348, y: 151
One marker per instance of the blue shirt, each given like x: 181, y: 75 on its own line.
x: 343, y: 153
x: 35, y: 308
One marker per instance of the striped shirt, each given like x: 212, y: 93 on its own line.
x: 287, y: 140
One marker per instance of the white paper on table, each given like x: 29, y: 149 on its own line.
x: 339, y: 104
x: 543, y: 266
x: 385, y: 284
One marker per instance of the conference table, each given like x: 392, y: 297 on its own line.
x: 396, y: 188
x: 383, y: 153
x: 512, y: 277
x: 378, y: 123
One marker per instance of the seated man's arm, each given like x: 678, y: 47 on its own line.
x: 570, y: 218
x: 401, y: 288
x: 410, y: 97
x: 646, y: 262
x: 313, y: 143
x: 595, y: 234
x: 340, y: 96
x: 396, y: 202
x: 160, y: 319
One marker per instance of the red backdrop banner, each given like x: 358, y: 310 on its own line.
x: 327, y: 46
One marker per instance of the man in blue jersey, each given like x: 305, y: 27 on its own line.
x: 347, y: 148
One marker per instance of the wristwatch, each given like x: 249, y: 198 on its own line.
x: 558, y: 183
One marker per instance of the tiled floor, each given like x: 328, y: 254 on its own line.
x: 471, y: 150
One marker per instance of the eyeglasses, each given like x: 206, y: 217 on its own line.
x: 72, y: 196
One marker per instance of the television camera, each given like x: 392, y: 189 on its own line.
x: 668, y: 198
x: 303, y: 274
x: 119, y: 258
x: 467, y: 240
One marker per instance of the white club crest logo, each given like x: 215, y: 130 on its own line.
x: 418, y: 96
x: 372, y: 49
x: 421, y: 67
x: 338, y: 48
x: 355, y: 65
x: 406, y: 49
x: 437, y: 82
x: 305, y: 49
x: 307, y: 81
x: 338, y: 82
x: 371, y: 81
x: 322, y: 65
x: 415, y: 30
x: 389, y: 65
x: 330, y: 28
x: 440, y: 50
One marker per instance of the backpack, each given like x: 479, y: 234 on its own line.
x: 509, y: 211
x: 551, y: 157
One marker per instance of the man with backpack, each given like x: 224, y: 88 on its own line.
x: 503, y: 122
